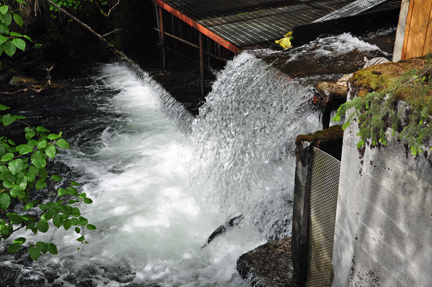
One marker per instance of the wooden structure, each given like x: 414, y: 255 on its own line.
x: 414, y: 36
x: 214, y: 31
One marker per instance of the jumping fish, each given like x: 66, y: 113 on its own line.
x: 224, y: 228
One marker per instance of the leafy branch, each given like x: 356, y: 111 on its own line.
x: 22, y: 174
x: 379, y: 111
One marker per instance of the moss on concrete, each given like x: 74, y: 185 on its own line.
x: 390, y: 76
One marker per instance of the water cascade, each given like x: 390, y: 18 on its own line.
x: 159, y: 190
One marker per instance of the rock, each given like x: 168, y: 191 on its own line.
x: 331, y: 91
x: 374, y: 61
x: 269, y: 265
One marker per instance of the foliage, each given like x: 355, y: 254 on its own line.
x: 10, y: 41
x: 379, y: 111
x: 23, y: 174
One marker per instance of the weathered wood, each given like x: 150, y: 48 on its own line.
x: 162, y: 38
x: 201, y: 45
x: 417, y: 40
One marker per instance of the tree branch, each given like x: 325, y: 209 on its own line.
x: 113, y: 49
x: 102, y: 11
x: 109, y: 33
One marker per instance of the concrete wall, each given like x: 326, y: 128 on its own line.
x: 383, y: 234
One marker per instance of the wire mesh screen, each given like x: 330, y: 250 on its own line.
x: 351, y: 9
x: 323, y: 201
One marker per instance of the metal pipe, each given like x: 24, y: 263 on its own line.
x: 193, y: 45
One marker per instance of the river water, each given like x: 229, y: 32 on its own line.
x: 163, y: 181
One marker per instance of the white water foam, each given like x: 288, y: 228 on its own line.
x: 159, y: 192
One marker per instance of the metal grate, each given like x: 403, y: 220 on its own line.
x: 351, y: 9
x: 323, y: 201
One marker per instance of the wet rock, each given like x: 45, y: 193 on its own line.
x: 268, y: 265
x: 331, y: 91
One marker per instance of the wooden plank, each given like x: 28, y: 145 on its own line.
x: 428, y: 41
x: 416, y: 28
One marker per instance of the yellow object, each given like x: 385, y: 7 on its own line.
x: 285, y: 42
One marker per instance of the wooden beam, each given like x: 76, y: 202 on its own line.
x: 198, y: 26
x: 201, y: 45
x: 162, y: 39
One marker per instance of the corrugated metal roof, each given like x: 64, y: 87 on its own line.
x: 246, y: 23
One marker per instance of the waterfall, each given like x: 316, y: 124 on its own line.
x: 162, y: 181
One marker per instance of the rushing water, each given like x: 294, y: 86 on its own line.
x: 162, y: 181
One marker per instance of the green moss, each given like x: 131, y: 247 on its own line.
x: 379, y: 89
x: 330, y: 134
x: 388, y: 76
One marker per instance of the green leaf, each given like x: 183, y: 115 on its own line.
x: 8, y: 119
x: 3, y: 107
x: 77, y: 184
x: 57, y: 221
x: 62, y: 144
x: 75, y: 221
x: 53, y: 136
x: 77, y: 229
x: 17, y: 18
x: 14, y: 248
x: 88, y: 201
x: 52, y: 248
x: 42, y: 129
x: 42, y: 144
x: 21, y: 1
x: 4, y: 9
x: 14, y: 219
x: 25, y: 149
x: 47, y: 216
x: 2, y: 40
x: 42, y: 226
x: 4, y: 201
x: 10, y: 50
x: 50, y: 151
x: 82, y: 195
x: 34, y: 253
x: 15, y: 166
x: 17, y: 192
x: 41, y: 245
x: 15, y: 34
x: 72, y: 191
x: 19, y: 43
x: 28, y: 206
x: 67, y: 224
x: 20, y: 240
x: 81, y: 239
x: 7, y: 157
x: 40, y: 184
x: 38, y: 159
x: 29, y: 135
x: 4, y: 30
x: 43, y: 173
x: 56, y: 177
x: 83, y: 221
x: 91, y: 227
x: 76, y: 212
x: 7, y: 184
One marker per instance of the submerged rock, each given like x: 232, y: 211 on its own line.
x: 268, y: 265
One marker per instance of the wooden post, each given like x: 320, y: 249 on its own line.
x: 201, y: 44
x: 162, y: 37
